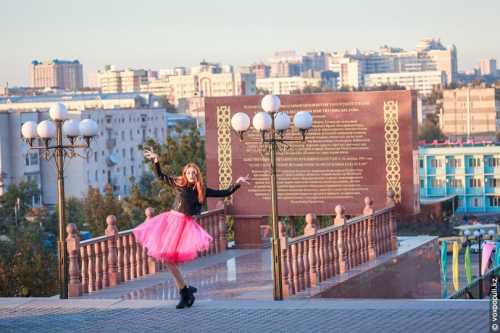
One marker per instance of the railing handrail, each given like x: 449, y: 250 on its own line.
x: 330, y: 228
x: 116, y: 257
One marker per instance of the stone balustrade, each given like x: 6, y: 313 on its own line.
x: 116, y: 257
x: 319, y: 255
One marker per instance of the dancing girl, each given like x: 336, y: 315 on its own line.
x: 174, y: 237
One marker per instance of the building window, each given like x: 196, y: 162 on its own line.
x: 435, y: 182
x: 123, y: 135
x: 420, y: 161
x: 494, y: 201
x: 124, y: 171
x: 123, y: 153
x: 495, y: 182
x: 95, y: 156
x: 475, y: 162
x: 476, y: 202
x: 436, y: 163
x: 456, y: 183
x: 96, y: 176
x: 132, y: 170
x: 494, y: 162
x: 132, y: 154
x: 422, y: 183
x: 455, y: 163
x: 474, y: 182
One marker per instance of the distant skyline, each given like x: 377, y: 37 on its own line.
x: 164, y: 34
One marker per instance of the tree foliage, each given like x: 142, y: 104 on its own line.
x: 27, y: 251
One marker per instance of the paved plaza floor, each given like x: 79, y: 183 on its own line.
x: 116, y: 315
x: 235, y: 295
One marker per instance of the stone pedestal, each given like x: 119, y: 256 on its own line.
x: 247, y: 231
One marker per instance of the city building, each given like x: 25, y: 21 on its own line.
x: 61, y: 74
x: 112, y: 80
x: 114, y: 157
x: 424, y: 82
x: 203, y: 81
x: 488, y: 67
x: 77, y: 101
x: 286, y: 85
x: 470, y: 172
x: 470, y: 112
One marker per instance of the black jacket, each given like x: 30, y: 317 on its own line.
x: 186, y: 198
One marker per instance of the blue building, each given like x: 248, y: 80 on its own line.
x: 471, y: 172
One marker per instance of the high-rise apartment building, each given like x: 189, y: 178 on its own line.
x: 488, y: 67
x: 470, y: 112
x: 60, y: 74
x: 112, y: 80
x: 423, y: 82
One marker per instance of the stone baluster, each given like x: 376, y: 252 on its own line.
x: 328, y: 264
x: 372, y: 249
x: 145, y: 265
x: 91, y: 267
x: 138, y: 257
x: 335, y: 252
x: 222, y: 232
x: 105, y: 265
x: 126, y: 257
x: 300, y: 265
x: 342, y: 259
x: 393, y: 228
x: 321, y: 258
x: 113, y: 253
x: 364, y: 248
x: 313, y: 262
x: 295, y: 268
x: 305, y: 260
x: 211, y: 224
x: 357, y: 244
x: 331, y: 253
x: 132, y: 254
x: 73, y: 249
x: 98, y: 265
x: 285, y: 273
x: 85, y: 262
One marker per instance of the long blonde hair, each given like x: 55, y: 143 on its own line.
x: 182, y: 181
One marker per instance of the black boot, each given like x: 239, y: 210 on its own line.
x: 183, y: 302
x: 191, y: 297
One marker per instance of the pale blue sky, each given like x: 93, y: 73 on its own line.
x: 164, y: 33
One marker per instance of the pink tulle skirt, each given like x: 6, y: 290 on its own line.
x: 172, y: 237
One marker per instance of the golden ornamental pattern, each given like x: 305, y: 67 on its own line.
x: 224, y: 145
x: 392, y: 151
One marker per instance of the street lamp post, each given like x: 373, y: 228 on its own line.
x: 46, y: 131
x: 272, y: 125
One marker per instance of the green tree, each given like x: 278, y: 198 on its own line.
x: 27, y: 250
x: 429, y: 131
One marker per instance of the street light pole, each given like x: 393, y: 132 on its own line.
x: 59, y: 159
x: 46, y: 131
x: 269, y: 124
x: 276, y: 248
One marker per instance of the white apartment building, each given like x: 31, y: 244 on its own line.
x: 114, y: 157
x: 285, y: 85
x: 77, y: 101
x: 112, y: 80
x: 488, y: 67
x: 423, y: 82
